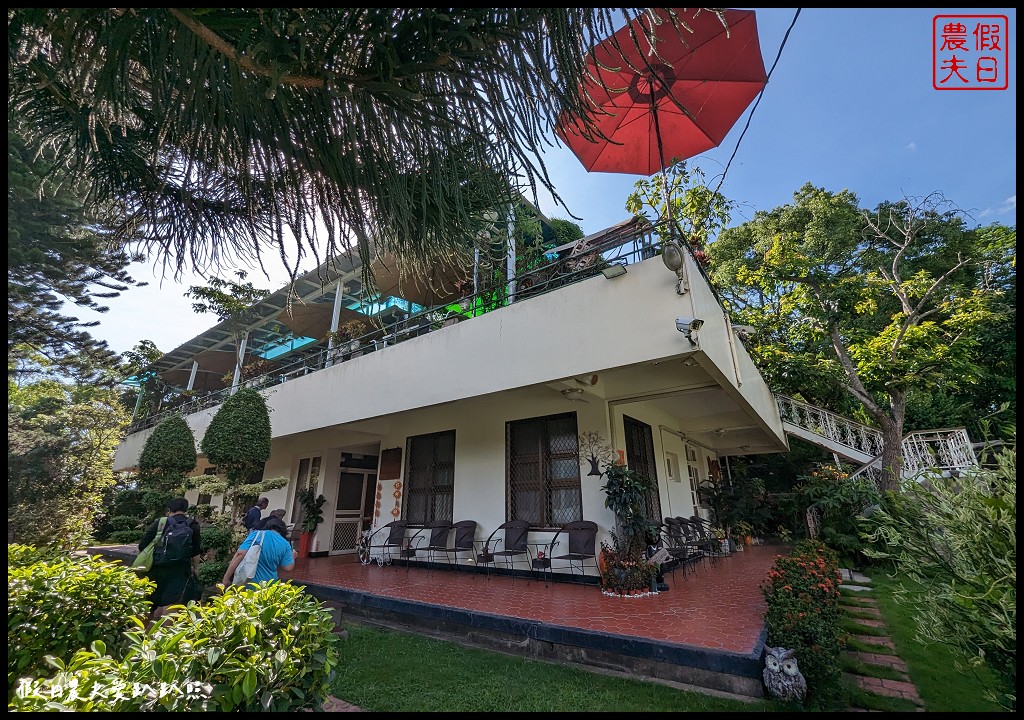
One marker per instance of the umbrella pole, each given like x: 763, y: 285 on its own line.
x: 682, y: 284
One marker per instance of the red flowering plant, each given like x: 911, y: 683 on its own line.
x: 802, y: 592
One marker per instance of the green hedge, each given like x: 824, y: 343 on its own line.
x: 59, y: 605
x: 271, y: 648
x: 802, y: 592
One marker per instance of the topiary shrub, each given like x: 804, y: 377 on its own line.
x: 238, y: 438
x: 270, y: 648
x: 802, y: 592
x: 58, y: 606
x: 168, y: 455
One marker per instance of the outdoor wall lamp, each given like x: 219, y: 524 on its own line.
x: 614, y: 271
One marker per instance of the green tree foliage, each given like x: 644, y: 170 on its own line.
x: 61, y: 440
x: 133, y: 367
x: 168, y: 455
x: 680, y: 206
x: 858, y: 310
x: 565, y: 231
x: 232, y: 302
x: 57, y: 252
x: 957, y: 538
x: 238, y: 438
x: 397, y: 126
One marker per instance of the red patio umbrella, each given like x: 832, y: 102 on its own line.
x: 670, y: 99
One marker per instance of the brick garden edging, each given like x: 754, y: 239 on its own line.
x: 880, y: 686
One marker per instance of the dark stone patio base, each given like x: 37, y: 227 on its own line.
x: 718, y: 672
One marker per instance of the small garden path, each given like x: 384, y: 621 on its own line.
x: 872, y: 665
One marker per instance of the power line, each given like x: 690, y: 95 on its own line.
x: 758, y: 101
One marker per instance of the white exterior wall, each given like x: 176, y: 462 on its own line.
x: 585, y: 328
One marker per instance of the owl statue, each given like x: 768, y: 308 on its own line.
x: 782, y: 675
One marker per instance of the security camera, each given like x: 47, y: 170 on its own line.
x: 688, y: 325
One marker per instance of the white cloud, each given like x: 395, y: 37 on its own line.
x: 911, y: 146
x: 1009, y: 206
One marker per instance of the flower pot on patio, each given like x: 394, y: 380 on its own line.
x: 305, y: 540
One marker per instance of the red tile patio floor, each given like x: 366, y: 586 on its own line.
x: 720, y: 608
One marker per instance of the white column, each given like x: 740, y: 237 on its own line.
x: 339, y: 292
x: 510, y: 257
x: 238, y: 364
x: 192, y: 375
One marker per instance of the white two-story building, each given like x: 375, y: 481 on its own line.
x: 473, y: 410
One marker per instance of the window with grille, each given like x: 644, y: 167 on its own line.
x: 640, y: 459
x: 542, y: 467
x: 429, y: 478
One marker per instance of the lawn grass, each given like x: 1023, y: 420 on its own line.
x: 851, y: 611
x: 856, y: 667
x: 942, y: 686
x: 384, y: 670
x: 852, y: 626
x: 855, y: 644
x: 858, y: 697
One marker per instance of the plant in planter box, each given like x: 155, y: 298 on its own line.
x: 346, y: 337
x: 312, y: 516
x: 625, y: 565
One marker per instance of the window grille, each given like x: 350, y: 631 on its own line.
x: 543, y: 470
x: 429, y: 478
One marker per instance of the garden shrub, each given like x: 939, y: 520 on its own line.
x: 840, y: 501
x: 168, y: 455
x: 22, y: 555
x: 270, y: 648
x: 58, y: 606
x: 802, y: 592
x: 957, y: 537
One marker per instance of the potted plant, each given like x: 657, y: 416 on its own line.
x: 312, y: 516
x: 625, y: 568
x: 346, y: 338
x: 741, y: 533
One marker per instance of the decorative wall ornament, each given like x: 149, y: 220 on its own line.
x: 396, y: 511
x: 782, y: 675
x: 596, y: 451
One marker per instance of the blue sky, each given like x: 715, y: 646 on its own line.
x: 850, y: 105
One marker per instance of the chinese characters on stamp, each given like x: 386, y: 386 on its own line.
x: 970, y: 52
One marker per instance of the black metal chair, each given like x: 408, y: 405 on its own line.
x: 694, y: 541
x: 582, y: 546
x: 389, y: 540
x: 465, y: 534
x: 684, y: 553
x: 436, y: 541
x: 710, y: 543
x: 512, y: 542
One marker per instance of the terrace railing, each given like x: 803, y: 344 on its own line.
x: 562, y: 266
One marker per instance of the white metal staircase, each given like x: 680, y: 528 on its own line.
x: 924, y: 451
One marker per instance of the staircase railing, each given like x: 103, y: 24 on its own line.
x: 829, y: 425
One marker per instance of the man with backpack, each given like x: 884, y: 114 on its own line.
x: 175, y: 558
x: 253, y: 517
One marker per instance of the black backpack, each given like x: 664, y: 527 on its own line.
x: 176, y: 542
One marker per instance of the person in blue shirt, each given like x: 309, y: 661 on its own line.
x: 276, y: 553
